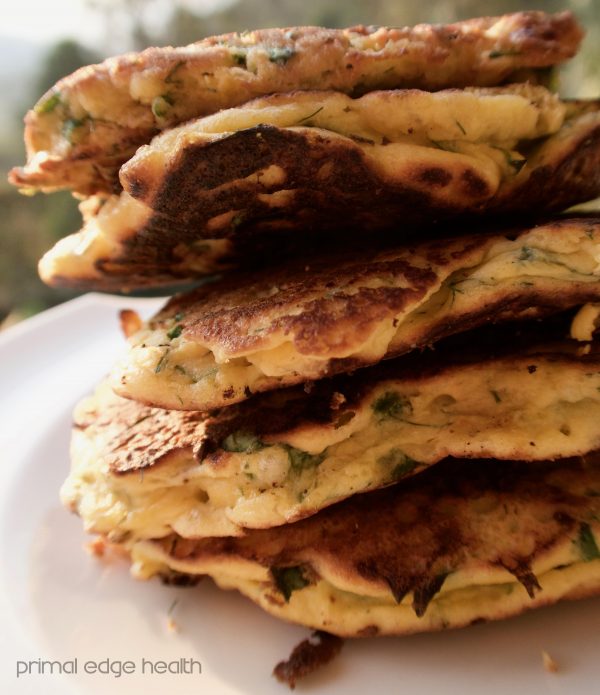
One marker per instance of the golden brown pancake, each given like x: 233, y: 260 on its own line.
x: 507, y: 392
x: 459, y: 543
x: 333, y: 169
x: 82, y: 130
x: 258, y: 331
x: 202, y: 200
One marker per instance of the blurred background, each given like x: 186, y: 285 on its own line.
x: 41, y: 41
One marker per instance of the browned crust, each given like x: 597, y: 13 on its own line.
x: 135, y: 437
x: 409, y: 537
x: 307, y: 657
x: 425, y: 56
x: 338, y: 305
x: 329, y: 183
x: 349, y: 204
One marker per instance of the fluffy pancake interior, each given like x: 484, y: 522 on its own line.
x: 447, y: 547
x: 131, y: 480
x: 173, y: 364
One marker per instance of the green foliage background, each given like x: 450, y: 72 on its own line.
x: 29, y: 226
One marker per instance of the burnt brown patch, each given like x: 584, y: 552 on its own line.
x: 474, y: 186
x: 371, y: 538
x: 435, y: 176
x: 368, y: 631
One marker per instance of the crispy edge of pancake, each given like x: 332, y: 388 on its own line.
x: 72, y: 140
x: 454, y: 529
x: 214, y: 346
x: 102, y: 255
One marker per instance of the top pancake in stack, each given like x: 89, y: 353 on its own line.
x: 83, y: 129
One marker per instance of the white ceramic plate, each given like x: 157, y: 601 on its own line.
x: 58, y: 603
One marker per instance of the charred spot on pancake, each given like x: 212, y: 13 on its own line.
x: 434, y: 176
x: 371, y: 538
x: 474, y: 186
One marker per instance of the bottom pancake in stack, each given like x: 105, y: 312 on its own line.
x: 459, y: 543
x: 507, y: 519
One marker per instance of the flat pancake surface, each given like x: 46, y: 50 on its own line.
x: 507, y: 392
x: 453, y: 543
x: 258, y: 331
x: 89, y: 123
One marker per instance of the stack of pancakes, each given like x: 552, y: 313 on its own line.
x: 382, y: 416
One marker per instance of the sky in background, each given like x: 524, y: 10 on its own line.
x: 45, y: 21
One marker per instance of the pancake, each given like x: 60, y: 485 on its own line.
x: 120, y: 249
x: 253, y: 332
x: 324, y: 160
x: 140, y: 473
x: 459, y: 543
x: 87, y: 125
x: 198, y: 201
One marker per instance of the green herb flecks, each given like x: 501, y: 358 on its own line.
x: 71, y: 126
x: 48, y: 105
x: 242, y: 442
x: 496, y: 396
x: 161, y: 105
x: 302, y: 461
x: 454, y: 290
x: 527, y: 254
x: 288, y: 580
x: 239, y: 56
x: 442, y: 145
x: 587, y: 544
x: 314, y: 113
x: 401, y: 465
x: 170, y: 78
x: 392, y: 405
x: 162, y: 362
x: 515, y: 163
x: 280, y: 55
x: 175, y: 332
x: 178, y: 317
